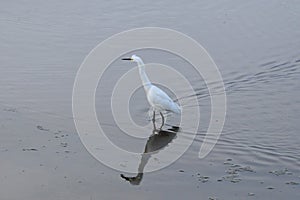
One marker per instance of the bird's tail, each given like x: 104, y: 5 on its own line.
x: 177, y: 109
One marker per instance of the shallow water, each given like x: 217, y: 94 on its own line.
x: 256, y: 47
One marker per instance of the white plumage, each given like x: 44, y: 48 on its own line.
x: 156, y: 97
x: 160, y: 101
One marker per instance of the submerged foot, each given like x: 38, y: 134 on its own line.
x: 134, y: 180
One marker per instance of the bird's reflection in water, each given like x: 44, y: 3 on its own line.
x: 156, y: 142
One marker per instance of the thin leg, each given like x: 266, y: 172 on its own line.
x: 154, y: 128
x: 163, y: 119
x: 153, y: 118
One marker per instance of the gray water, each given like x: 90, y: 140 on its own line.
x: 256, y: 47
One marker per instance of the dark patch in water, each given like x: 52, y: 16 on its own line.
x: 234, y: 170
x: 42, y: 128
x: 292, y: 183
x: 10, y: 110
x: 30, y: 149
x: 281, y: 172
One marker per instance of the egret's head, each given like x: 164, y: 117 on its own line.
x: 133, y: 58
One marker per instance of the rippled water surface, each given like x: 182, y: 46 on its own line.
x: 256, y: 47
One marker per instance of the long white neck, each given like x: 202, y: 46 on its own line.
x: 143, y: 75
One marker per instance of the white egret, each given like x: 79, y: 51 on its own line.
x: 157, y: 98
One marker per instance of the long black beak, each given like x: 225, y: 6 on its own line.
x: 126, y: 59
